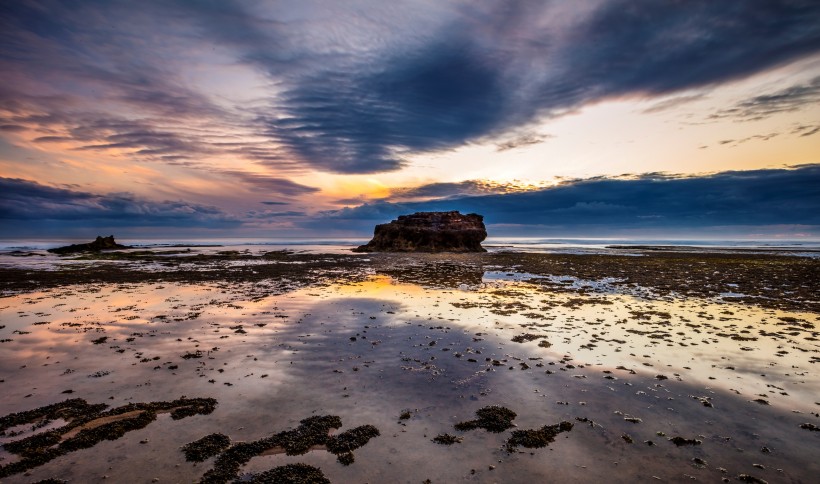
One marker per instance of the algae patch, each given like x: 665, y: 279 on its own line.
x: 493, y: 418
x: 293, y: 474
x: 447, y: 439
x: 679, y: 441
x: 536, y: 438
x: 87, y: 426
x: 312, y: 433
x: 206, y: 447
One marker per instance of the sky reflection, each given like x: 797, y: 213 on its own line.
x: 366, y: 351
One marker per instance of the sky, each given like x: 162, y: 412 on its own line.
x: 270, y: 119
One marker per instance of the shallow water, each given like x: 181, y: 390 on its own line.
x: 368, y: 351
x: 28, y: 254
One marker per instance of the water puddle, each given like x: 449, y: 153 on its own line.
x: 414, y: 358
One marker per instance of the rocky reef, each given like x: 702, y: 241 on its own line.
x: 429, y: 232
x: 100, y: 243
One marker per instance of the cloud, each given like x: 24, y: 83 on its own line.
x: 606, y: 205
x: 274, y: 203
x: 269, y: 184
x: 108, y: 53
x: 672, y: 103
x: 358, y: 87
x: 268, y: 214
x: 806, y: 130
x: 523, y: 140
x: 149, y: 142
x: 450, y: 190
x: 350, y: 201
x: 127, y: 80
x: 442, y: 190
x: 498, y: 66
x: 29, y: 207
x: 764, y: 106
x: 756, y: 137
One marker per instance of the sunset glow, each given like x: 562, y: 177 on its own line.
x: 320, y: 118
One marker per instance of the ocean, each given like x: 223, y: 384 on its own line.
x: 516, y: 244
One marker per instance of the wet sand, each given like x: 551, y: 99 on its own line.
x: 666, y: 366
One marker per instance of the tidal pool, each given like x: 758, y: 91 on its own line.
x: 735, y: 384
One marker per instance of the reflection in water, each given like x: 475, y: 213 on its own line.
x: 414, y: 352
x: 441, y: 274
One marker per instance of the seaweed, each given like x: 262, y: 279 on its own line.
x: 111, y: 431
x: 536, y: 438
x: 751, y: 479
x: 39, y: 449
x: 493, y: 418
x: 346, y: 458
x: 206, y: 447
x: 291, y: 474
x: 522, y: 338
x: 68, y: 410
x: 311, y: 432
x: 679, y: 441
x: 351, y: 439
x: 31, y: 446
x: 447, y: 439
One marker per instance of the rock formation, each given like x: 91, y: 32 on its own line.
x: 429, y: 232
x: 101, y: 243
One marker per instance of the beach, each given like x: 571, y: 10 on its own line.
x: 657, y: 364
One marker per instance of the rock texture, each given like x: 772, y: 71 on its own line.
x: 429, y: 232
x: 101, y: 243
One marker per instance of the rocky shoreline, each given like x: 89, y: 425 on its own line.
x: 493, y: 366
x: 774, y: 281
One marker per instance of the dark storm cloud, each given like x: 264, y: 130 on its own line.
x: 660, y: 47
x: 25, y: 204
x: 358, y: 88
x: 436, y: 99
x: 758, y: 197
x: 495, y: 69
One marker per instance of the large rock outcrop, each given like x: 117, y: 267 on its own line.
x: 101, y: 243
x: 429, y: 232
